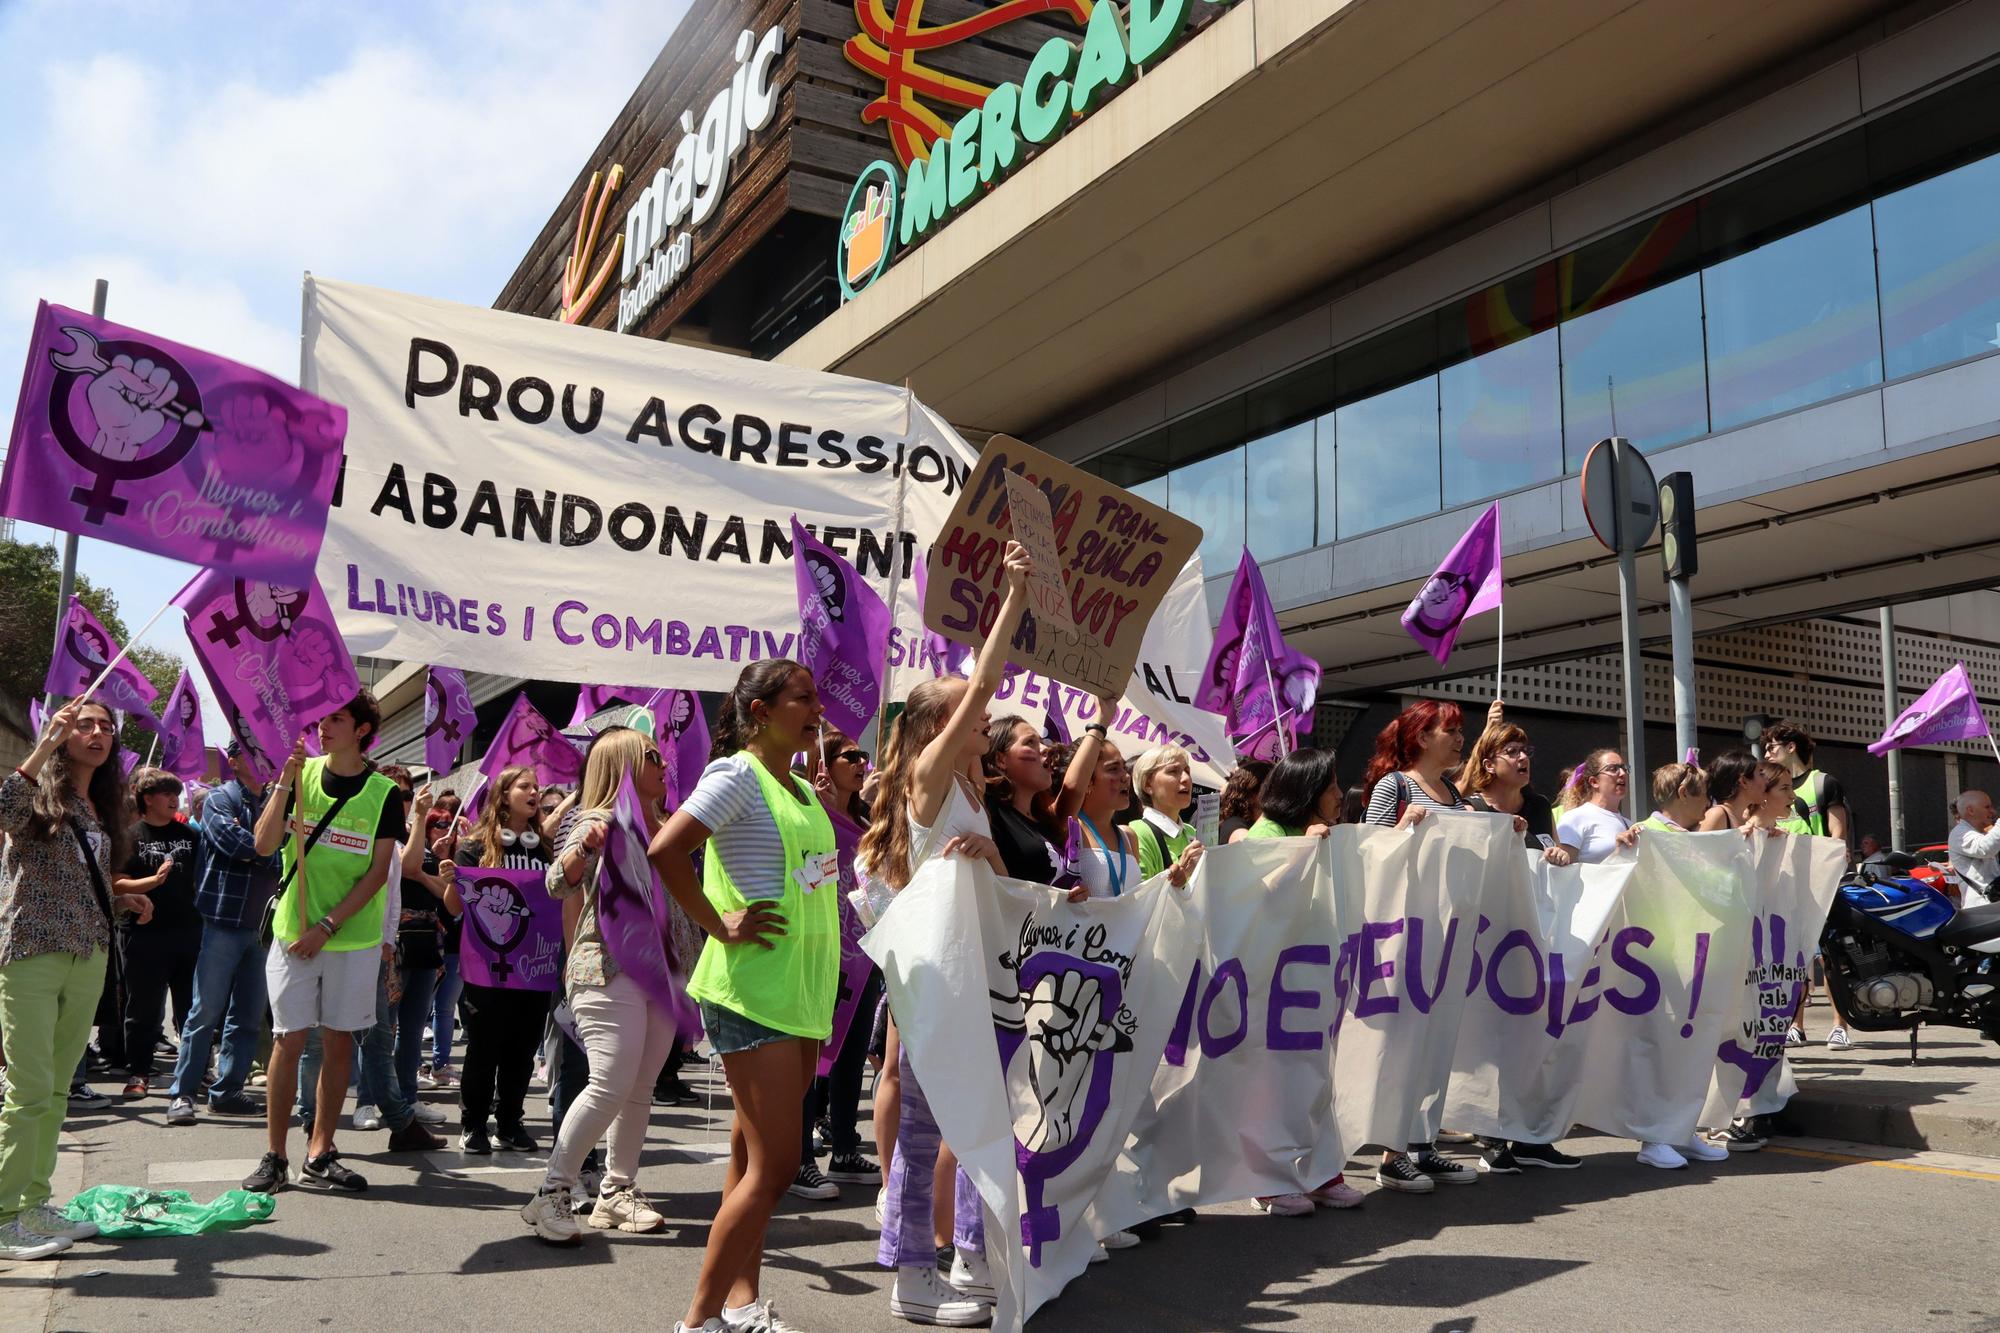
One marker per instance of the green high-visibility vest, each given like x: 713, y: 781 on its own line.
x: 336, y: 862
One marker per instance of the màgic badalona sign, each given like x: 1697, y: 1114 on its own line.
x: 890, y: 206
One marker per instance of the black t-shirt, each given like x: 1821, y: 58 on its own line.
x: 1229, y: 827
x: 173, y: 901
x: 1535, y: 809
x: 1024, y: 849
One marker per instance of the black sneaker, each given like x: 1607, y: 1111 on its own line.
x: 851, y: 1168
x: 272, y: 1172
x: 326, y: 1173
x: 1498, y: 1160
x: 1400, y: 1173
x: 1741, y: 1136
x: 810, y: 1184
x: 83, y: 1097
x: 414, y: 1137
x: 1444, y: 1170
x: 516, y: 1138
x: 235, y: 1103
x: 1545, y: 1155
x: 474, y: 1140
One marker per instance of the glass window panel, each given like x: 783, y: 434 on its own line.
x: 1154, y: 490
x: 1642, y: 356
x: 1388, y: 458
x: 1326, y: 432
x: 1498, y: 316
x: 1501, y: 420
x: 1281, y: 492
x: 1645, y: 255
x: 1211, y: 493
x: 1793, y: 322
x: 1939, y: 252
x: 1786, y: 197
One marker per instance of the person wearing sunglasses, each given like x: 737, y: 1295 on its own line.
x: 1592, y: 822
x: 626, y: 1033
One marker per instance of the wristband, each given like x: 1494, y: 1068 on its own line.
x: 1098, y: 730
x: 326, y: 925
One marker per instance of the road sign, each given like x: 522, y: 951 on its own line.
x: 1621, y: 501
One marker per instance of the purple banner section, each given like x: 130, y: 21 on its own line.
x: 526, y: 739
x: 633, y: 913
x: 843, y: 632
x: 513, y: 930
x: 272, y: 656
x: 448, y: 717
x: 149, y: 444
x: 182, y: 751
x: 854, y: 964
x: 86, y: 650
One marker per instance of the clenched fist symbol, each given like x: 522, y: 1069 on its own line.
x: 1066, y: 1027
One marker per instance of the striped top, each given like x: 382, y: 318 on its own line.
x: 1397, y: 791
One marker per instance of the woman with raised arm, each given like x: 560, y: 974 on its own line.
x: 63, y: 813
x: 1021, y: 803
x: 931, y: 802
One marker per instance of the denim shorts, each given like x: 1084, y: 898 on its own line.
x: 730, y: 1033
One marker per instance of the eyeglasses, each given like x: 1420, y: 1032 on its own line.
x: 1518, y: 751
x: 853, y: 756
x: 1615, y: 768
x: 91, y: 724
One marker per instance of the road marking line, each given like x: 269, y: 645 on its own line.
x: 199, y: 1173
x: 1848, y: 1159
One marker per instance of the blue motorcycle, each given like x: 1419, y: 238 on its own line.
x: 1899, y: 954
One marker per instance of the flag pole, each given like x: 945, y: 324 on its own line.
x: 122, y: 652
x: 1500, y: 655
x: 1284, y: 749
x: 154, y: 752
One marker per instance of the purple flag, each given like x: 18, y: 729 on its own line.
x: 132, y: 439
x: 855, y: 965
x: 182, y: 751
x: 934, y: 650
x: 38, y: 717
x: 448, y: 717
x: 1055, y: 727
x: 680, y: 729
x: 527, y: 740
x: 1251, y: 676
x: 273, y: 658
x: 513, y: 930
x: 86, y: 650
x: 1948, y: 711
x: 1467, y: 583
x: 594, y: 699
x: 843, y: 632
x: 633, y: 915
x: 127, y: 761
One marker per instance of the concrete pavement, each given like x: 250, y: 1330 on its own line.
x: 1949, y: 1100
x: 1775, y: 1240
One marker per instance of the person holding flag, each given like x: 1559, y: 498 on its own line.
x: 1263, y: 689
x: 337, y: 821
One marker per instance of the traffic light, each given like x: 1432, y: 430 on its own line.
x: 1677, y: 525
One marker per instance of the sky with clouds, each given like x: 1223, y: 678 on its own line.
x: 202, y: 156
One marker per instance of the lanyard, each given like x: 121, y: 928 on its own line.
x: 1114, y: 863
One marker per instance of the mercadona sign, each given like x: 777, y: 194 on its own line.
x: 1064, y: 82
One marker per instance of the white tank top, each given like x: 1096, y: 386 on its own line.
x: 1095, y: 866
x: 959, y: 815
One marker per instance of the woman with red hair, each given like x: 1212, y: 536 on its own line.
x: 1406, y: 781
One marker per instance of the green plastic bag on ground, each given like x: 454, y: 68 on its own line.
x: 123, y: 1211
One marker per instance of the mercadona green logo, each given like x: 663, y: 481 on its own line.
x: 867, y: 232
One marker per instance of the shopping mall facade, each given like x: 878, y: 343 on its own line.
x: 1330, y: 276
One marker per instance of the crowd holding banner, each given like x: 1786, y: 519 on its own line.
x: 515, y: 497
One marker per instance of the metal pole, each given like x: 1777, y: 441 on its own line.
x: 1889, y: 711
x: 1681, y: 614
x: 1628, y: 619
x: 68, y: 584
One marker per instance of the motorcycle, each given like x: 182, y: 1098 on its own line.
x: 1898, y: 953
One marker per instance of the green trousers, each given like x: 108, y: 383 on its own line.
x: 47, y: 1004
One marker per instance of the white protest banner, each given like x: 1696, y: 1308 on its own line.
x: 1120, y: 555
x: 1352, y: 991
x: 538, y: 499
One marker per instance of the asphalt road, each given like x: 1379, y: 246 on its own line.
x: 1805, y: 1235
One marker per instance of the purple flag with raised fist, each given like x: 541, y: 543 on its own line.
x: 526, y: 739
x: 934, y: 650
x: 680, y: 729
x: 1948, y: 711
x: 1467, y: 583
x: 273, y: 658
x: 448, y: 717
x: 136, y: 440
x: 633, y: 914
x: 87, y: 648
x: 182, y: 749
x: 1251, y: 676
x: 513, y: 930
x: 594, y: 699
x: 843, y: 632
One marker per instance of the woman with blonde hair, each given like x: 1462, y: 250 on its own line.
x: 1163, y: 780
x: 931, y: 803
x: 1591, y: 821
x: 624, y: 1031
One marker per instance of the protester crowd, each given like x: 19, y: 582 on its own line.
x: 303, y: 935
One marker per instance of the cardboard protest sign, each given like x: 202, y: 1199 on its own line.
x: 1119, y: 556
x: 1035, y: 528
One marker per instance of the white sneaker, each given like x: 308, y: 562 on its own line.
x: 1838, y: 1040
x: 46, y: 1221
x: 626, y: 1209
x: 1098, y: 1256
x: 1661, y: 1155
x: 367, y: 1117
x: 1699, y: 1149
x: 1284, y: 1205
x: 1795, y: 1035
x: 971, y: 1276
x: 18, y: 1244
x: 714, y: 1325
x: 1118, y: 1240
x: 882, y: 1207
x: 760, y: 1316
x: 552, y: 1215
x: 921, y: 1297
x: 429, y: 1115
